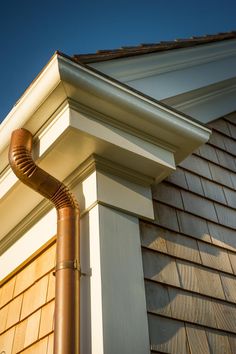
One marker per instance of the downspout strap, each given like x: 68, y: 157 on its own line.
x: 71, y: 265
x: 68, y: 265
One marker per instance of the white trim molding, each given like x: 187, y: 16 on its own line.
x: 123, y: 304
x: 62, y: 79
x: 73, y: 112
x: 96, y: 180
x: 207, y: 103
x: 34, y: 238
x: 115, y: 318
x: 128, y: 129
x: 198, y: 81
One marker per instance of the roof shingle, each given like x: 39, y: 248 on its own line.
x: 128, y: 51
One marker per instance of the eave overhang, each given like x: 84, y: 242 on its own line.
x: 74, y: 111
x: 165, y: 75
x: 63, y: 79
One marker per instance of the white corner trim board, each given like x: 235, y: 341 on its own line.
x: 118, y: 305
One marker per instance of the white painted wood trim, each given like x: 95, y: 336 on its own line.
x: 28, y: 244
x: 92, y: 328
x: 117, y: 192
x: 113, y: 297
x: 63, y: 79
x: 208, y: 103
x: 113, y: 315
x: 117, y: 284
x: 165, y: 76
x: 113, y: 303
x: 96, y: 180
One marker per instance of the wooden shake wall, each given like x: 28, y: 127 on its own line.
x: 27, y: 307
x: 189, y: 251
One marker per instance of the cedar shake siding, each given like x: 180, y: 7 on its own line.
x: 189, y: 251
x: 27, y: 307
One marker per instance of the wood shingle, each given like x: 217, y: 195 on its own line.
x: 189, y: 251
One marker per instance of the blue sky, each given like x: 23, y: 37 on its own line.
x: 31, y: 31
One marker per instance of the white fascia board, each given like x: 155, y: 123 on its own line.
x: 36, y: 94
x: 63, y: 79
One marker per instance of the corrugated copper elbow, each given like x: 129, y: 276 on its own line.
x: 30, y: 174
x: 66, y: 332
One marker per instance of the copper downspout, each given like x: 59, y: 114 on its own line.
x: 66, y: 332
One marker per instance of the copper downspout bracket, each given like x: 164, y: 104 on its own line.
x: 68, y: 265
x: 72, y: 265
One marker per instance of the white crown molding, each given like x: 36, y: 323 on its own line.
x: 62, y: 79
x: 208, y: 103
x: 98, y: 163
x: 198, y: 81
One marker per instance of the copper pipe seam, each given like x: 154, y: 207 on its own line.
x: 66, y: 331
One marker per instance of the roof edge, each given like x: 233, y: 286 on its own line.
x: 125, y: 52
x: 109, y: 97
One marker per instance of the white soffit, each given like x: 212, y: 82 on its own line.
x: 199, y: 81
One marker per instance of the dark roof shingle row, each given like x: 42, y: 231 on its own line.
x: 103, y: 55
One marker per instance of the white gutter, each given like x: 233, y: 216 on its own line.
x: 30, y: 101
x: 120, y: 95
x: 62, y: 79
